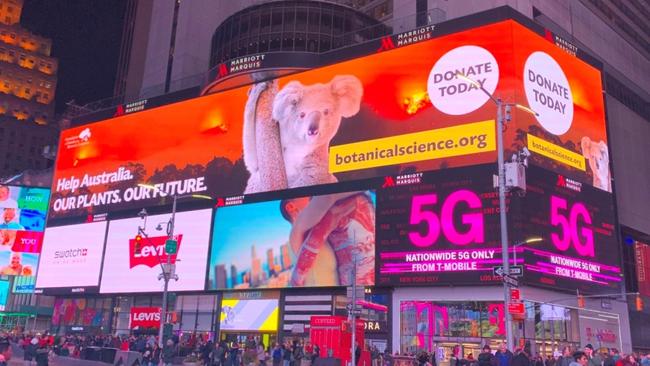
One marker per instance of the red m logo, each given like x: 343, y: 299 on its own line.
x: 223, y: 71
x: 119, y: 111
x: 386, y: 44
x: 388, y: 182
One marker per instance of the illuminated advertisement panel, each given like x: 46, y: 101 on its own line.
x: 271, y: 245
x: 134, y: 266
x: 71, y: 258
x: 249, y: 315
x: 642, y: 257
x: 4, y: 294
x: 579, y: 247
x: 24, y: 210
x: 383, y: 114
x: 438, y: 228
x: 24, y: 284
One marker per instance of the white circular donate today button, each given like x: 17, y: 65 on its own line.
x: 456, y: 96
x: 548, y: 93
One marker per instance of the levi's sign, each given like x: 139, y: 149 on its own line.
x: 145, y: 317
x: 150, y: 251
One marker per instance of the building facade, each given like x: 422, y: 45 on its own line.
x: 174, y: 45
x: 27, y: 88
x: 28, y: 70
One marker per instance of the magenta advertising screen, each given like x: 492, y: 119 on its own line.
x: 579, y: 247
x: 438, y: 227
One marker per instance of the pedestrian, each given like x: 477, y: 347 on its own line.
x: 286, y: 356
x: 315, y: 354
x: 594, y: 358
x: 30, y: 351
x: 155, y: 356
x: 522, y: 358
x: 168, y: 353
x: 42, y: 355
x: 580, y: 359
x: 486, y: 358
x: 630, y: 360
x: 504, y: 356
x: 146, y: 356
x: 261, y: 354
x: 276, y: 355
x: 5, y: 352
x: 645, y: 361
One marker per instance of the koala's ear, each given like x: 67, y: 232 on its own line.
x: 348, y: 90
x: 586, y: 146
x: 287, y: 98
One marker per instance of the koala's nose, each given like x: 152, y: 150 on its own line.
x: 314, y: 123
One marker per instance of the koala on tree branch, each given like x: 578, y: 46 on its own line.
x: 295, y: 126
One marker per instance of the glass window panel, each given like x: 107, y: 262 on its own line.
x: 301, y: 42
x: 301, y: 19
x: 276, y: 20
x: 275, y: 42
x: 314, y: 20
x: 287, y: 43
x: 207, y: 303
x: 204, y: 322
x: 265, y: 21
x: 188, y: 320
x: 289, y: 19
x: 190, y: 303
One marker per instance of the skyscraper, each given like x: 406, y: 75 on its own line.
x: 28, y: 71
x: 27, y: 85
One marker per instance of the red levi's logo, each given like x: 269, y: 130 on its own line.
x: 28, y: 242
x: 150, y: 251
x: 145, y: 317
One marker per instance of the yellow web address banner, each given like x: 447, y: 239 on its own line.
x: 555, y: 152
x: 445, y: 142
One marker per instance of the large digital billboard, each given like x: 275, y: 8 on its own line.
x: 23, y: 210
x: 71, y: 258
x: 294, y: 242
x: 260, y: 315
x: 438, y: 228
x: 132, y: 266
x: 642, y: 259
x: 388, y: 113
x: 579, y: 247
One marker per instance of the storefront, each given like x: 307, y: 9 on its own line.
x: 249, y: 316
x: 82, y: 315
x: 375, y: 313
x: 427, y: 322
x: 191, y: 315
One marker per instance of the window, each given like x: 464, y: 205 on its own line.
x: 10, y: 9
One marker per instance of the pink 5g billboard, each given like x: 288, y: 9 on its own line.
x: 438, y: 227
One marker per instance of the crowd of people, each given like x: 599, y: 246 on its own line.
x: 39, y: 348
x: 588, y: 356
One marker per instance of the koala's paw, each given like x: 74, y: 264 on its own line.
x: 258, y: 88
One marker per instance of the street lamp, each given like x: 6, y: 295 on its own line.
x: 168, y: 269
x: 535, y: 239
x: 501, y: 121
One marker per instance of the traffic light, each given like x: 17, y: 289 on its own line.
x: 581, y: 301
x: 639, y: 303
x: 138, y: 244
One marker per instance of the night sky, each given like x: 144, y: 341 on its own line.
x: 86, y: 37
